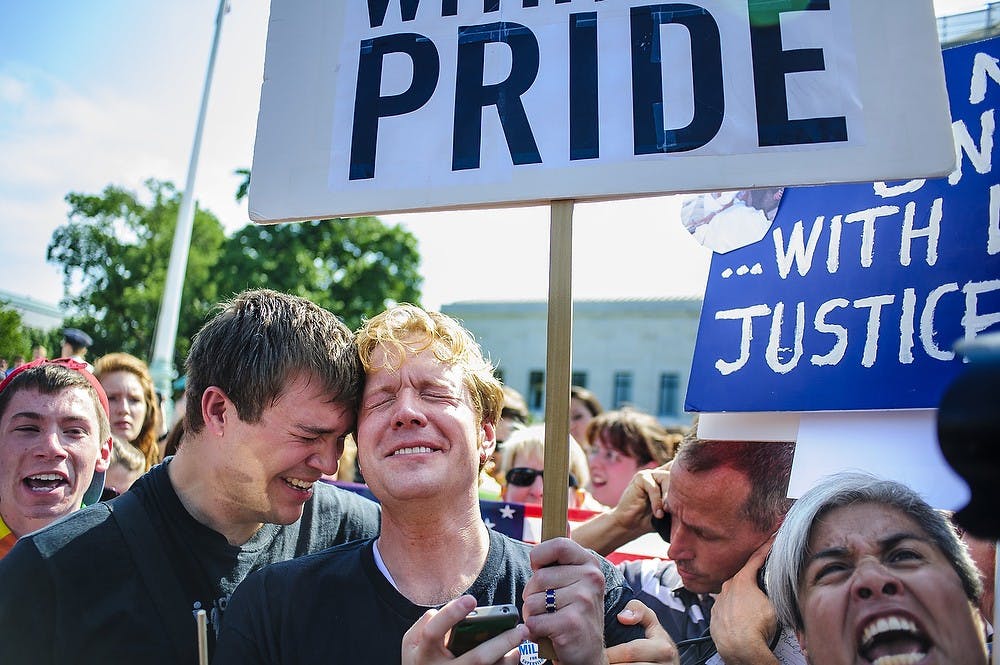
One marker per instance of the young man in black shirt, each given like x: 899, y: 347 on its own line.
x: 273, y: 383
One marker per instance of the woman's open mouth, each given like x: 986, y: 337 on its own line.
x: 893, y: 640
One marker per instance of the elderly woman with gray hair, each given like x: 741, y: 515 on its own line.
x: 866, y: 572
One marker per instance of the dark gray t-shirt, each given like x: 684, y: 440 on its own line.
x: 72, y: 592
x: 337, y: 607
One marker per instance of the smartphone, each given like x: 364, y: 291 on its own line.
x: 662, y: 526
x: 481, y: 624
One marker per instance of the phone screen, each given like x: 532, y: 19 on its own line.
x: 481, y: 624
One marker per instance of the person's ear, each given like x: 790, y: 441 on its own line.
x: 215, y: 409
x: 777, y: 523
x: 488, y: 445
x: 104, y: 456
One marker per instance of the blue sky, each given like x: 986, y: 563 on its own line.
x: 107, y: 92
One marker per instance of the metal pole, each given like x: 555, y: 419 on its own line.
x: 162, y: 365
x: 996, y: 590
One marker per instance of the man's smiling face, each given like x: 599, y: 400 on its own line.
x: 50, y: 447
x: 418, y: 432
x: 267, y: 469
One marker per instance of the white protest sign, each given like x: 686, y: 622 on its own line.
x: 377, y: 106
x: 900, y: 445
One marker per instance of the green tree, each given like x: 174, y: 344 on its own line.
x: 50, y: 339
x: 17, y: 339
x: 13, y: 336
x: 353, y: 267
x: 114, y: 252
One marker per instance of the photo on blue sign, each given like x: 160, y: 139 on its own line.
x: 858, y: 293
x: 724, y: 221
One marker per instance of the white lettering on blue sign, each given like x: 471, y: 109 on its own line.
x: 871, y: 284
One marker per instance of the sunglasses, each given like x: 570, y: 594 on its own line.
x: 522, y: 476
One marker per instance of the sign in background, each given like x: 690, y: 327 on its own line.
x: 377, y: 106
x: 856, y: 296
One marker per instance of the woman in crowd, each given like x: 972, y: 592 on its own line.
x: 127, y: 465
x: 865, y: 571
x: 135, y: 411
x: 622, y: 443
x: 522, y: 460
x: 513, y: 416
x: 583, y: 407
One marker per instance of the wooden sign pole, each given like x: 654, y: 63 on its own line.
x: 559, y: 354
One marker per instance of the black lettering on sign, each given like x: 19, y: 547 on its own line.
x: 771, y: 64
x: 378, y: 8
x: 584, y: 121
x: 472, y: 95
x: 370, y: 105
x: 648, y: 125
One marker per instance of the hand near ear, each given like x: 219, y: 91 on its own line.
x: 743, y: 620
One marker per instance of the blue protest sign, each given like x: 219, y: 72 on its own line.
x: 857, y: 294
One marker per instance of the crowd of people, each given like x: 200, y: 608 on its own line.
x: 129, y: 528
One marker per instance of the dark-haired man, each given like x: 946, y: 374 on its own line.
x: 273, y: 383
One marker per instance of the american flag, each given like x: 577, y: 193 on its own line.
x: 524, y: 522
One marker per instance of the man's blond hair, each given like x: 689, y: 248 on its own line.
x: 406, y: 329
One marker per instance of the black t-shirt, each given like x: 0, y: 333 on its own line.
x: 337, y: 607
x: 72, y: 593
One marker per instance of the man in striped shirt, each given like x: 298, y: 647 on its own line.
x: 718, y: 503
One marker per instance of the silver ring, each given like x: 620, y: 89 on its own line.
x: 550, y: 600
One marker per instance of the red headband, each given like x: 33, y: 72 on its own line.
x: 68, y: 363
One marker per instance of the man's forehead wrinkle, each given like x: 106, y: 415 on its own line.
x: 392, y: 357
x: 314, y: 429
x: 40, y: 415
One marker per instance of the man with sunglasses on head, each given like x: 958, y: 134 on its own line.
x: 55, y: 445
x: 718, y: 505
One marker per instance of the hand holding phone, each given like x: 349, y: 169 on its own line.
x: 483, y: 623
